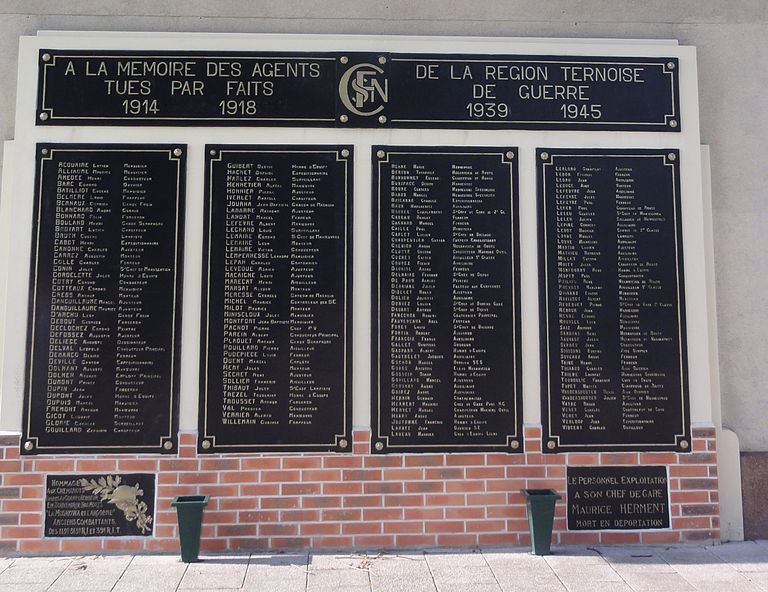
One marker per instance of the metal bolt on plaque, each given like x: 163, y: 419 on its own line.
x: 379, y: 446
x: 382, y: 119
x: 28, y: 445
x: 343, y: 119
x: 551, y: 445
x: 672, y: 156
x: 177, y: 151
x: 344, y: 153
x: 43, y: 116
x: 684, y: 444
x: 382, y: 60
x: 212, y: 152
x: 671, y: 65
x: 45, y: 151
x: 381, y: 154
x: 672, y: 123
x: 343, y: 59
x: 167, y: 444
x: 46, y: 57
x: 206, y: 444
x: 343, y: 443
x: 510, y: 155
x: 545, y: 156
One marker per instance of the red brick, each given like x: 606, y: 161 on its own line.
x: 275, y: 529
x: 361, y: 448
x: 300, y: 515
x: 13, y: 519
x: 162, y: 545
x: 135, y: 464
x: 659, y: 537
x: 403, y: 527
x: 444, y: 526
x: 249, y: 544
x: 424, y: 460
x: 464, y: 459
x: 259, y: 516
x: 486, y: 473
x: 658, y: 458
x: 362, y: 501
x: 500, y: 538
x: 403, y: 474
x: 703, y: 432
x: 261, y: 463
x: 173, y: 464
x: 233, y: 530
x: 486, y: 525
x: 260, y: 489
x: 322, y: 501
x: 620, y: 538
x: 342, y: 488
x: 618, y: 458
x: 220, y: 464
x: 383, y: 487
x: 378, y: 462
x: 332, y: 542
x: 695, y: 522
x: 280, y: 502
x: 22, y: 479
x: 165, y: 478
x: 688, y: 471
x: 53, y: 466
x: 579, y: 538
x: 555, y: 472
x: 505, y: 512
x: 302, y: 462
x: 700, y: 535
x: 345, y: 515
x: 239, y: 477
x: 583, y: 458
x: 415, y: 540
x: 375, y: 514
x: 32, y: 547
x: 342, y: 462
x: 211, y: 545
x: 464, y: 486
x: 187, y: 452
x: 424, y: 487
x: 170, y: 491
x: 444, y: 473
x: 217, y: 491
x: 374, y: 542
x: 699, y: 510
x: 21, y: 532
x: 11, y: 454
x: 188, y: 438
x: 197, y: 478
x: 361, y: 475
x: 689, y: 497
x: 498, y: 458
x: 464, y: 513
x: 486, y: 499
x: 445, y: 499
x: 281, y: 476
x: 525, y: 472
x: 361, y: 435
x: 301, y: 488
x: 290, y: 542
x: 404, y: 500
x: 97, y: 466
x: 10, y: 466
x: 81, y: 545
x: 321, y: 475
x: 698, y: 483
x: 457, y: 540
x: 27, y: 505
x: 320, y: 528
x: 361, y: 528
x: 423, y: 513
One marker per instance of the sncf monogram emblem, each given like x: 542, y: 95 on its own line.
x: 364, y: 90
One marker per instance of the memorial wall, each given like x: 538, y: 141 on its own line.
x: 361, y: 297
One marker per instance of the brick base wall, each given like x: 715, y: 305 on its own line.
x: 362, y: 501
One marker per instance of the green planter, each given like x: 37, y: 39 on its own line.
x: 189, y: 510
x: 541, y: 513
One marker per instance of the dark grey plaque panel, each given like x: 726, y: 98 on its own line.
x: 614, y: 370
x: 618, y: 498
x: 446, y: 314
x: 352, y: 89
x: 276, y: 356
x: 103, y: 505
x: 105, y: 299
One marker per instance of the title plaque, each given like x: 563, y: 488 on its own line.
x: 354, y: 89
x: 618, y: 498
x: 106, y: 505
x: 277, y: 318
x: 446, y: 285
x: 105, y: 299
x: 614, y: 371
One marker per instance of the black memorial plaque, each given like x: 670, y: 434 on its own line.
x: 104, y: 505
x: 614, y: 371
x: 352, y: 89
x: 276, y: 356
x: 617, y: 498
x: 446, y: 315
x: 105, y: 299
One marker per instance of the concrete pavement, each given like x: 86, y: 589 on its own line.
x: 741, y: 567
